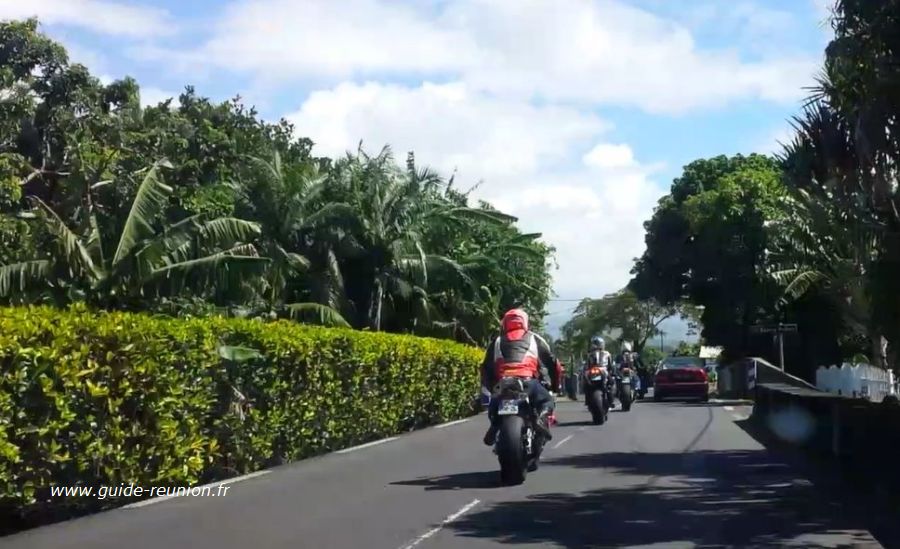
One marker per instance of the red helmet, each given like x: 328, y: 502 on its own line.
x: 515, y: 323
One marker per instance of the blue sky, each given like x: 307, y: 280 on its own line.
x: 576, y: 114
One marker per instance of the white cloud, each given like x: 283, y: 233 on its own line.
x: 777, y: 138
x: 323, y: 37
x: 101, y: 16
x: 151, y: 97
x: 589, y: 206
x: 606, y: 155
x: 449, y: 126
x: 823, y: 8
x: 598, y: 52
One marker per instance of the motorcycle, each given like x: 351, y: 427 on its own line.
x: 627, y: 383
x: 519, y: 444
x: 595, y: 384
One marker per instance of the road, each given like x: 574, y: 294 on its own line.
x: 663, y: 475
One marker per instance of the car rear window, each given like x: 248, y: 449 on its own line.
x: 673, y: 363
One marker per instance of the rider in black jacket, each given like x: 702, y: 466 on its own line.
x: 519, y: 352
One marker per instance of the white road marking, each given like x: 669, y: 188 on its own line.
x: 226, y: 482
x: 563, y: 441
x: 366, y: 445
x: 729, y: 408
x: 465, y: 509
x: 448, y: 424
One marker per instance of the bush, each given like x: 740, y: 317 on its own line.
x: 93, y: 398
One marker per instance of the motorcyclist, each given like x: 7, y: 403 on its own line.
x: 519, y: 352
x: 597, y: 344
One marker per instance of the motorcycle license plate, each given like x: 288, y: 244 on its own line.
x: 626, y: 381
x: 508, y: 407
x: 597, y: 378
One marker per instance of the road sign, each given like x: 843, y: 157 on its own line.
x: 773, y: 328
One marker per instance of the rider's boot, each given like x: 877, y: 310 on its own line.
x: 491, y: 435
x: 543, y: 424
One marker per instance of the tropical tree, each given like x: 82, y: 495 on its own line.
x: 831, y: 240
x: 194, y: 252
x: 296, y: 225
x: 707, y: 243
x: 393, y: 208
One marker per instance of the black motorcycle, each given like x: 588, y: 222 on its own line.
x: 519, y: 443
x: 596, y: 389
x: 626, y: 385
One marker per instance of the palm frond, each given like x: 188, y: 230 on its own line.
x: 478, y: 214
x: 321, y: 314
x: 152, y: 197
x: 76, y: 254
x: 18, y: 277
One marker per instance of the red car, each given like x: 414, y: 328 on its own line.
x: 681, y: 377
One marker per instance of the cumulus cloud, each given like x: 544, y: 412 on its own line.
x: 599, y: 52
x: 101, y: 16
x: 449, y: 126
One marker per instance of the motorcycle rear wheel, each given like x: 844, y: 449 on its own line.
x: 597, y: 406
x: 510, y: 452
x: 627, y: 398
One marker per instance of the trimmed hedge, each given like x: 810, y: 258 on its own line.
x: 96, y: 398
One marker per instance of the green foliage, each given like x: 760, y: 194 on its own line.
x: 90, y: 398
x: 707, y: 243
x: 687, y: 349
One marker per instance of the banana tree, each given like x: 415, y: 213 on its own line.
x: 191, y: 253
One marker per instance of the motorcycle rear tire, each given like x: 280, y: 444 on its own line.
x: 627, y: 398
x: 510, y: 452
x: 598, y: 407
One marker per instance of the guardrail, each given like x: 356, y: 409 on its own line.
x: 739, y: 379
x: 863, y: 435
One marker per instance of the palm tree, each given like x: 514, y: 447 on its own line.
x: 831, y: 238
x: 288, y: 202
x: 392, y: 209
x: 192, y: 252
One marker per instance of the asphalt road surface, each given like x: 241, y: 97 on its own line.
x: 665, y: 474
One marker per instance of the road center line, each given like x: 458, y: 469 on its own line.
x: 465, y: 509
x: 366, y: 445
x: 225, y: 482
x: 448, y: 424
x: 563, y: 441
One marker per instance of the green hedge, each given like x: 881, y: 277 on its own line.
x: 95, y: 398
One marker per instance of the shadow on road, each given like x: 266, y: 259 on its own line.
x: 461, y: 481
x: 713, y: 499
x: 574, y: 423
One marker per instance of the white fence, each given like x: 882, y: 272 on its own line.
x: 859, y: 380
